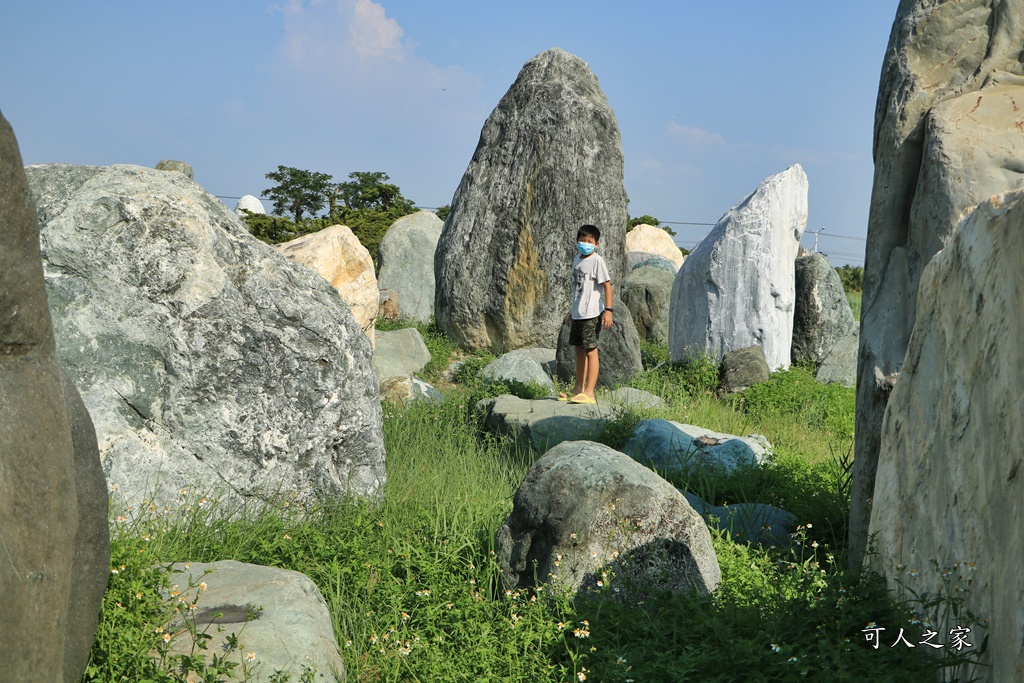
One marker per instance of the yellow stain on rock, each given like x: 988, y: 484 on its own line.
x: 527, y: 284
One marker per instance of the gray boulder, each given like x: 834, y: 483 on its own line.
x: 53, y: 498
x: 765, y: 525
x: 633, y: 259
x: 840, y: 365
x: 673, y: 447
x: 177, y: 166
x: 399, y: 352
x: 549, y: 160
x: 520, y: 365
x: 204, y: 357
x: 251, y: 204
x: 659, y: 262
x: 618, y: 352
x: 634, y: 399
x: 293, y: 632
x: 647, y: 294
x: 541, y: 424
x: 947, y: 137
x: 949, y: 485
x: 587, y: 518
x: 736, y: 289
x: 407, y: 263
x: 406, y: 389
x: 822, y: 315
x: 742, y: 369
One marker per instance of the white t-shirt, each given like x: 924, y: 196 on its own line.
x: 587, y: 274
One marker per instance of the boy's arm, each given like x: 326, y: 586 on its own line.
x: 606, y: 314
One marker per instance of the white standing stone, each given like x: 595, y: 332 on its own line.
x: 736, y: 289
x: 251, y: 204
x: 407, y: 263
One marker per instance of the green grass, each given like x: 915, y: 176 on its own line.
x: 414, y: 588
x: 854, y: 299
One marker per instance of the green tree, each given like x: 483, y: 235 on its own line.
x: 649, y: 220
x: 443, y: 211
x: 371, y: 190
x: 298, y: 191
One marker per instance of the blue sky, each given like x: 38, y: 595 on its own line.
x: 711, y: 98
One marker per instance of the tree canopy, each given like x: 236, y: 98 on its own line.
x: 298, y: 191
x: 371, y: 190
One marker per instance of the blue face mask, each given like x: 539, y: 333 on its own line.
x: 585, y: 248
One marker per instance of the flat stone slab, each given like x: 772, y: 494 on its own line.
x: 628, y: 397
x: 545, y: 423
x: 524, y: 365
x: 293, y: 632
x: 399, y: 352
x: 673, y: 447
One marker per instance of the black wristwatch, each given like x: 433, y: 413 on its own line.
x: 609, y: 310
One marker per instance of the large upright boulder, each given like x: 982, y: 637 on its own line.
x: 736, y: 289
x: 407, y: 262
x: 950, y: 489
x: 53, y: 498
x: 337, y: 255
x: 204, y: 356
x: 549, y: 160
x: 822, y: 315
x: 947, y: 137
x: 647, y: 294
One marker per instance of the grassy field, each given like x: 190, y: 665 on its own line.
x: 415, y: 592
x: 854, y: 299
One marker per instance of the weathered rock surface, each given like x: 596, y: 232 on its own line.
x: 618, y: 352
x: 408, y: 389
x: 948, y: 488
x: 180, y: 166
x: 673, y: 447
x: 336, y: 254
x: 204, y: 356
x: 742, y: 369
x: 822, y: 315
x: 583, y: 507
x: 736, y: 289
x: 654, y: 240
x: 549, y: 160
x: 628, y: 397
x: 647, y: 294
x: 251, y: 204
x: 840, y: 365
x: 53, y: 499
x: 521, y: 365
x: 399, y: 352
x: 390, y: 305
x: 293, y: 632
x: 407, y: 262
x: 640, y: 259
x: 544, y: 423
x: 947, y: 136
x: 747, y: 522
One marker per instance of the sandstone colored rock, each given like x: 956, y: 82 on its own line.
x: 647, y: 294
x: 399, y: 352
x: 390, y: 305
x: 179, y: 166
x: 822, y: 315
x: 584, y: 507
x: 947, y: 137
x: 654, y: 240
x: 549, y: 160
x: 407, y: 262
x: 204, y: 357
x: 251, y: 204
x: 53, y: 499
x: 736, y: 289
x: 336, y: 254
x: 618, y: 352
x: 406, y: 389
x: 292, y: 633
x: 949, y: 488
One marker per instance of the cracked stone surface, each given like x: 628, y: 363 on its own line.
x: 206, y: 359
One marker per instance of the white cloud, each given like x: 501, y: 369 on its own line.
x: 695, y: 137
x: 373, y: 34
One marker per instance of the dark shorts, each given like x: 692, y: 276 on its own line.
x: 585, y: 332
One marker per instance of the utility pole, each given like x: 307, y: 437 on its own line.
x: 815, y: 233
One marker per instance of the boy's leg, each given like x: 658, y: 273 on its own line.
x: 592, y: 365
x: 581, y: 370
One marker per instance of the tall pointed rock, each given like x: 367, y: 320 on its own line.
x: 549, y: 160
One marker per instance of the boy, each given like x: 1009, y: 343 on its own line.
x: 587, y: 317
